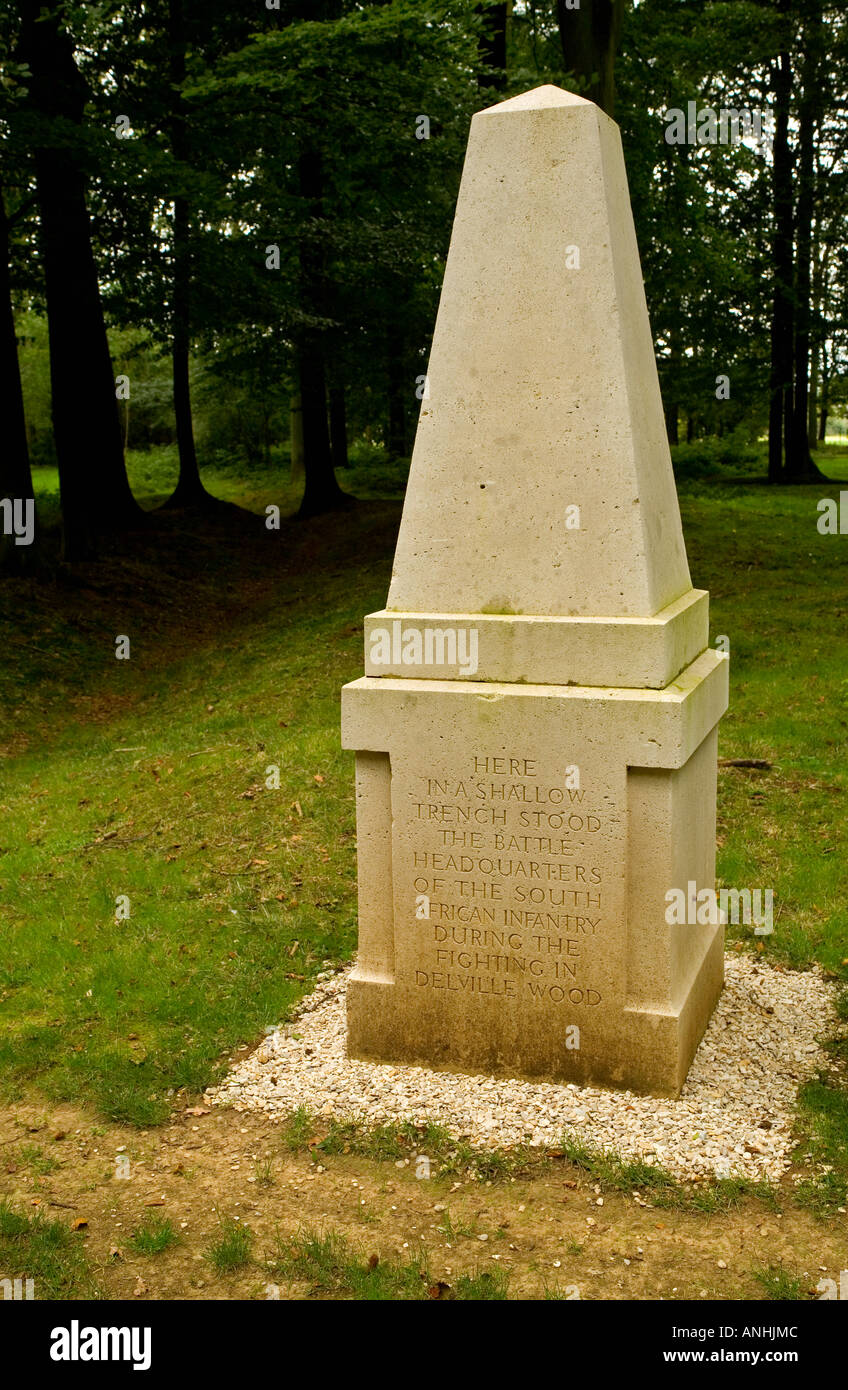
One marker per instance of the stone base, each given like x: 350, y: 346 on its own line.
x: 656, y: 1049
x: 516, y: 844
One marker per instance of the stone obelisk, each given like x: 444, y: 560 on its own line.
x: 536, y: 729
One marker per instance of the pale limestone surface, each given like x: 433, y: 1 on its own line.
x: 536, y: 731
x: 543, y: 389
x: 636, y: 652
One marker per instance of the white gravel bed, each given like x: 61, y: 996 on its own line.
x: 733, y: 1118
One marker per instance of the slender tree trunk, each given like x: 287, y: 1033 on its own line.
x: 189, y: 491
x: 397, y: 392
x: 824, y: 397
x: 321, y: 491
x: 821, y: 257
x: 800, y: 465
x: 589, y: 39
x: 95, y: 493
x: 15, y: 472
x: 338, y: 427
x: 296, y: 439
x: 780, y: 382
x: 812, y: 413
x: 492, y: 45
x: 671, y: 403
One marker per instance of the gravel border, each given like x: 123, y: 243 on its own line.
x: 733, y: 1118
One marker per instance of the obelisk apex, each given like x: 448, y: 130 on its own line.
x: 541, y: 480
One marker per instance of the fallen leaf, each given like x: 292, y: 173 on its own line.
x: 197, y: 1110
x: 78, y: 1223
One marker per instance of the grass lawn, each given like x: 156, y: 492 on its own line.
x: 199, y: 786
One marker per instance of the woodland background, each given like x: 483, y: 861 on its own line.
x: 226, y: 209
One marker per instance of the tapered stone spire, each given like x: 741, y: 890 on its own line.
x: 543, y: 394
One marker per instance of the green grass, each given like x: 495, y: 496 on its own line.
x: 779, y: 1284
x: 450, y: 1157
x: 661, y: 1188
x: 33, y: 1157
x: 447, y: 1155
x: 824, y: 1115
x: 327, y: 1262
x: 263, y: 1172
x: 154, y: 1235
x: 148, y: 779
x: 231, y: 1249
x: 31, y: 1247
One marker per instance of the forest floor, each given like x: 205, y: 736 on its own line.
x: 177, y: 864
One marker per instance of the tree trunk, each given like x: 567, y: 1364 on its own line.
x: 821, y: 258
x: 338, y: 427
x: 321, y: 492
x: 589, y: 39
x: 95, y: 493
x: 812, y: 413
x: 800, y: 465
x: 15, y: 473
x: 492, y: 45
x: 671, y: 404
x: 397, y: 391
x: 296, y: 439
x: 780, y: 377
x: 189, y: 491
x: 824, y: 395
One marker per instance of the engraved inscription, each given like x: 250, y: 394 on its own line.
x: 511, y: 864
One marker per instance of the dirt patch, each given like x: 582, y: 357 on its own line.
x: 553, y: 1231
